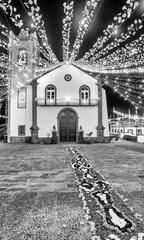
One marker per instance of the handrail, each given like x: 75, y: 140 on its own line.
x: 64, y: 101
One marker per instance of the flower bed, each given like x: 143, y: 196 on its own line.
x: 106, y: 212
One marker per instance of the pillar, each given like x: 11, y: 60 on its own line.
x: 100, y: 128
x: 34, y: 128
x: 8, y: 99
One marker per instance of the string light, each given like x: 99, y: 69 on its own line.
x: 83, y: 26
x: 127, y: 11
x: 34, y: 13
x: 119, y: 62
x: 67, y: 21
x: 12, y: 13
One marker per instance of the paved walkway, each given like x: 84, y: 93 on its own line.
x: 35, y: 168
x: 39, y: 198
x: 122, y: 164
x: 38, y: 194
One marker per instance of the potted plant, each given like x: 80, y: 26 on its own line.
x: 48, y: 139
x: 80, y: 135
x: 88, y: 139
x: 54, y: 135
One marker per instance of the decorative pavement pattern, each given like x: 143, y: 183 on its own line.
x: 106, y: 212
x: 48, y: 193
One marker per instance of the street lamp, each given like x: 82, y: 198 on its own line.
x: 136, y: 129
x: 136, y: 118
x: 0, y: 106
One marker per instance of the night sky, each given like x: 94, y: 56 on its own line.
x: 114, y: 100
x: 52, y: 12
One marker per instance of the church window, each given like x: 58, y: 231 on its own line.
x: 50, y: 94
x: 22, y: 56
x: 85, y: 95
x: 68, y: 77
x: 22, y: 98
x: 21, y: 130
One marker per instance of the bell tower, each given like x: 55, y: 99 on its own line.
x: 23, y: 55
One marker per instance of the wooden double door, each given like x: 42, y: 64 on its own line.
x: 67, y: 124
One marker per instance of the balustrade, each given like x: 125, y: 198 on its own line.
x: 65, y: 102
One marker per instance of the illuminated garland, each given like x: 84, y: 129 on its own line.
x: 84, y: 25
x: 121, y: 91
x: 22, y: 75
x: 131, y: 54
x: 3, y: 44
x: 134, y: 97
x: 123, y: 115
x: 137, y: 70
x: 132, y: 30
x: 86, y: 65
x: 34, y: 13
x: 123, y: 63
x: 68, y: 10
x: 12, y: 12
x: 4, y: 30
x: 127, y: 59
x: 45, y: 54
x: 43, y: 63
x: 129, y: 86
x: 2, y: 116
x: 3, y: 56
x: 115, y: 63
x: 99, y: 68
x: 112, y: 29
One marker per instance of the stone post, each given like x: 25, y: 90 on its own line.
x: 34, y: 128
x: 100, y: 128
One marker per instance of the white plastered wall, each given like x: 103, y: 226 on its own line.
x: 47, y: 116
x: 67, y: 88
x: 105, y: 113
x: 21, y: 116
x: 87, y: 116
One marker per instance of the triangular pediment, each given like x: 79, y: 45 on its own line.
x: 69, y: 68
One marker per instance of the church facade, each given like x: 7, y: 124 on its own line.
x: 66, y: 100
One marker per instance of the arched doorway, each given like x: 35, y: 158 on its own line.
x: 67, y: 125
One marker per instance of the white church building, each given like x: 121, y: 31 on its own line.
x: 65, y: 97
